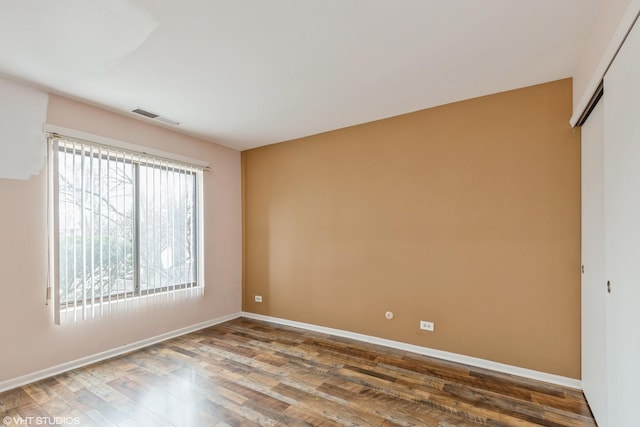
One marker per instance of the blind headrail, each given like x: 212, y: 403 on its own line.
x: 56, y: 131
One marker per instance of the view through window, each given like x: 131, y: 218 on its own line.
x: 126, y: 226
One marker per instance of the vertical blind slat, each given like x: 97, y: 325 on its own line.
x: 109, y: 247
x: 92, y: 230
x: 181, y: 193
x: 171, y: 213
x: 74, y: 227
x: 117, y: 231
x: 164, y: 227
x: 156, y: 227
x: 54, y: 200
x: 101, y: 232
x: 84, y: 234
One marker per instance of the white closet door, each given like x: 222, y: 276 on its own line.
x: 594, y: 294
x: 622, y: 238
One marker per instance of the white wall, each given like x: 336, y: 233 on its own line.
x: 610, y: 15
x: 29, y: 341
x: 22, y: 113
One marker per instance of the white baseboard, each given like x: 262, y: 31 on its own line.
x: 426, y: 351
x: 74, y: 364
x: 453, y: 357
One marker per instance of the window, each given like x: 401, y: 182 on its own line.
x: 127, y: 228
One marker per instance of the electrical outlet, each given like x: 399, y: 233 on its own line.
x: 258, y: 298
x: 427, y: 326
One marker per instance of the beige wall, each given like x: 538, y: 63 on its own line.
x: 605, y: 26
x: 467, y: 215
x: 28, y: 339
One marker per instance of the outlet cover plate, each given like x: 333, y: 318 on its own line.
x: 427, y: 326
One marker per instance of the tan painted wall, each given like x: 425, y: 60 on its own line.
x: 467, y: 215
x: 29, y: 341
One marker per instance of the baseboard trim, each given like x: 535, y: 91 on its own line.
x: 78, y: 363
x: 426, y: 351
x: 452, y: 357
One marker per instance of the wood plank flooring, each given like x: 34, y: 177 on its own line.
x: 250, y: 373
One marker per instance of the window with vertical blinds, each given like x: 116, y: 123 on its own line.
x: 126, y: 229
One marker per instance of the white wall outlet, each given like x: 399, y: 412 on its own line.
x: 427, y: 326
x: 258, y: 298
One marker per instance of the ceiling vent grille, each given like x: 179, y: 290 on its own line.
x: 154, y: 116
x: 144, y: 113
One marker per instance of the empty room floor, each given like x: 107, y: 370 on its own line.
x: 247, y: 373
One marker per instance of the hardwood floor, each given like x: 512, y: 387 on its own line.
x: 248, y: 373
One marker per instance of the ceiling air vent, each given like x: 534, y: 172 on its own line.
x: 144, y: 113
x: 154, y: 116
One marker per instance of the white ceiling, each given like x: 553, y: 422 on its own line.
x: 246, y: 73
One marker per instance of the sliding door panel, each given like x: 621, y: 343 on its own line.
x: 594, y: 380
x: 622, y: 238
